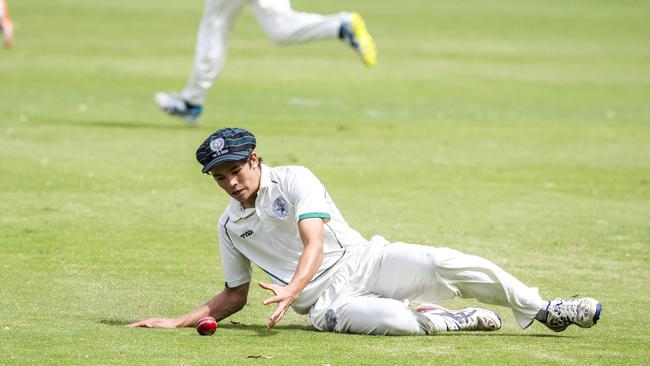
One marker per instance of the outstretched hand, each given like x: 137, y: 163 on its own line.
x: 155, y: 323
x: 284, y: 297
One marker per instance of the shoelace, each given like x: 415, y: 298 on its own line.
x: 563, y: 313
x: 464, y: 317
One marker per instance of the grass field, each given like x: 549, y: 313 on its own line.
x: 515, y: 130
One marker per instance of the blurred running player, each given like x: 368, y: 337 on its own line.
x: 282, y: 24
x: 6, y: 26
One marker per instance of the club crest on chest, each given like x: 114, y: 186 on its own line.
x: 280, y: 208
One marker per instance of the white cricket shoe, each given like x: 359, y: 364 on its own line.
x: 583, y: 312
x: 464, y: 319
x: 175, y: 105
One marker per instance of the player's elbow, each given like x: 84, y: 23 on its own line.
x: 238, y: 301
x: 236, y: 298
x: 239, y: 304
x: 234, y: 305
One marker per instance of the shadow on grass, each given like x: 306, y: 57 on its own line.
x: 261, y: 331
x: 116, y: 322
x: 493, y: 334
x: 177, y: 125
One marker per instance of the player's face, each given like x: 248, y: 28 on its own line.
x: 240, y: 180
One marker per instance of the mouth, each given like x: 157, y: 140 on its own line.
x: 237, y: 192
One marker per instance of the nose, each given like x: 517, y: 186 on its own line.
x: 227, y: 183
x: 232, y: 181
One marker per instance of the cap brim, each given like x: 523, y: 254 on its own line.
x: 234, y: 156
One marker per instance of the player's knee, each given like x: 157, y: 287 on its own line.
x: 281, y: 38
x: 280, y: 29
x: 357, y: 318
x: 445, y: 258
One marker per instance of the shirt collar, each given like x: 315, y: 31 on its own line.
x: 265, y: 180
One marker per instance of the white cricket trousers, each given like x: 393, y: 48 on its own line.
x: 370, y: 293
x: 282, y: 24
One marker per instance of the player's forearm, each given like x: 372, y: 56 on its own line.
x: 309, y: 263
x: 189, y: 319
x: 311, y: 233
x: 220, y: 307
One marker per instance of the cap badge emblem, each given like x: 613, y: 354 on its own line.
x: 217, y: 146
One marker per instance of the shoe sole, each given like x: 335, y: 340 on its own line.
x: 423, y: 308
x: 367, y: 46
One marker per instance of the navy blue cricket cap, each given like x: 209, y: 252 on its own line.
x: 227, y: 144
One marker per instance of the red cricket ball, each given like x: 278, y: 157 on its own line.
x: 206, y: 326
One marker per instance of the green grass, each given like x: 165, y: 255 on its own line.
x: 515, y: 130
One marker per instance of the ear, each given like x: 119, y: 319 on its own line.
x: 253, y: 160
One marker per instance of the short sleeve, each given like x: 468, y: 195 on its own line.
x: 235, y: 266
x: 308, y: 195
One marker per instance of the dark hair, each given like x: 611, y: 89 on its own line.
x: 248, y: 159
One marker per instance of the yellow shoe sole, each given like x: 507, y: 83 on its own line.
x: 367, y: 46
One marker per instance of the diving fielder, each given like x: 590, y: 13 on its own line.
x: 283, y: 220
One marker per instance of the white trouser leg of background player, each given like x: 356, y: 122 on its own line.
x: 218, y: 19
x: 364, y: 295
x: 286, y: 26
x: 279, y: 21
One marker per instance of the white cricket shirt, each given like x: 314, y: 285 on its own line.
x: 268, y: 235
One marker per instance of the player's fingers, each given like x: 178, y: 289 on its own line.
x: 276, y: 316
x: 271, y: 300
x: 270, y: 324
x: 268, y: 286
x: 142, y: 323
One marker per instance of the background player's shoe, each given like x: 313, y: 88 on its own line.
x: 357, y: 36
x: 465, y: 319
x: 7, y: 30
x: 583, y: 312
x: 175, y: 105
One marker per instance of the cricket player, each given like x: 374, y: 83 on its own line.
x: 282, y: 24
x: 284, y: 220
x: 6, y: 26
